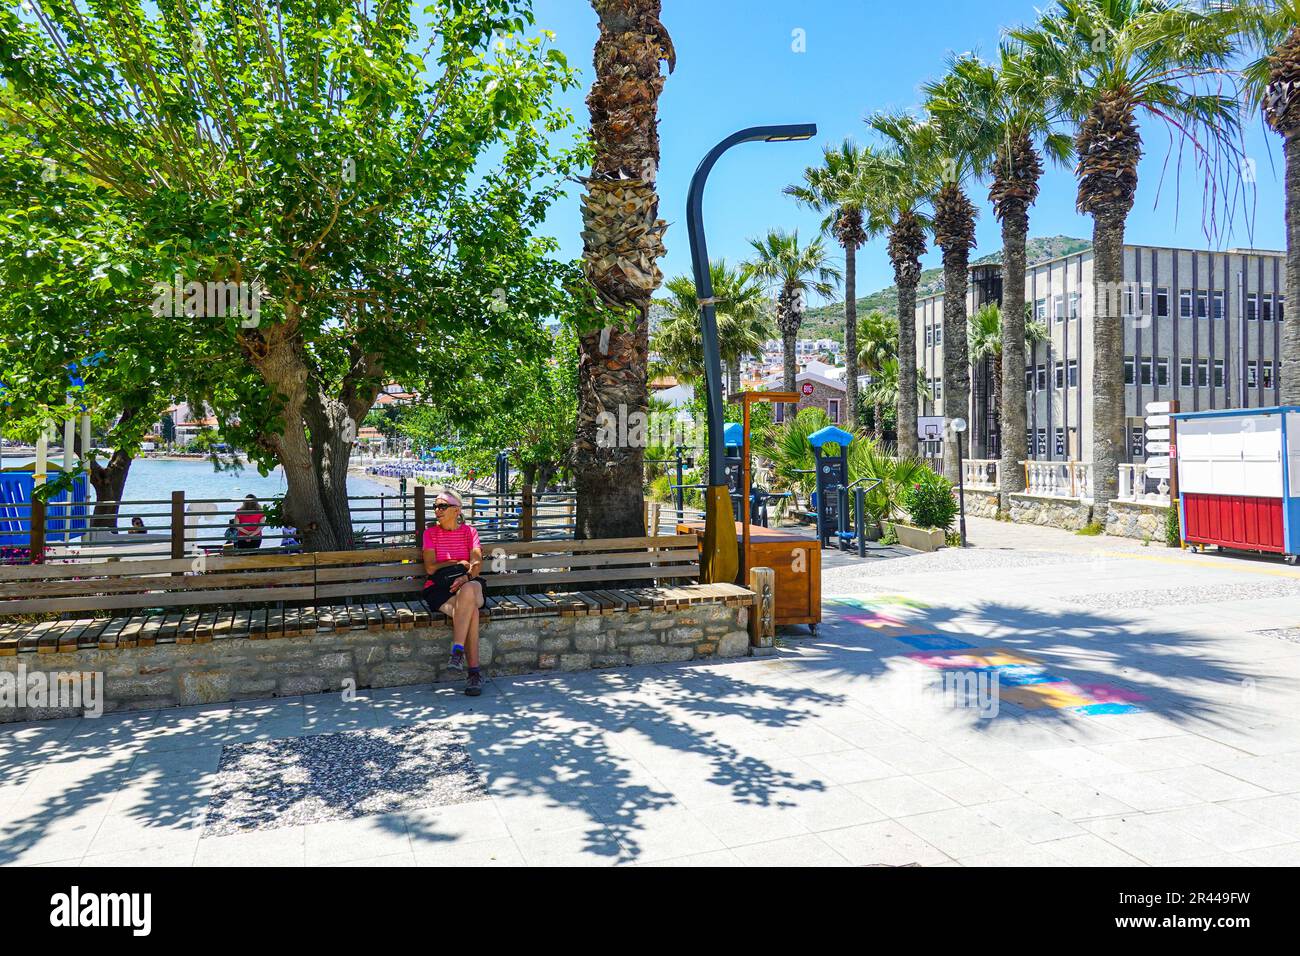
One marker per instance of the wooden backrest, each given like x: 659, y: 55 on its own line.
x: 333, y: 575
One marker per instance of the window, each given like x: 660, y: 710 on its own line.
x: 1162, y: 302
x: 1060, y: 374
x: 1162, y: 371
x: 1074, y: 305
x: 833, y: 409
x: 1268, y: 374
x: 937, y: 388
x: 1058, y: 308
x: 1203, y: 372
x: 1040, y: 376
x: 1042, y: 443
x: 1072, y: 373
x: 1185, y: 372
x: 938, y: 334
x: 1128, y: 370
x: 1266, y: 309
x: 1185, y: 303
x: 1252, y: 306
x: 929, y: 335
x: 1218, y: 373
x: 1137, y: 443
x: 1202, y: 304
x: 1148, y: 371
x: 1029, y: 378
x: 1058, y: 441
x: 1128, y: 301
x: 1218, y: 305
x: 1252, y: 374
x: 778, y: 413
x: 1040, y: 309
x: 1281, y: 307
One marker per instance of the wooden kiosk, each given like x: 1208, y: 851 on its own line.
x: 796, y: 560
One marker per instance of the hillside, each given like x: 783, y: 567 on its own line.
x: 827, y: 321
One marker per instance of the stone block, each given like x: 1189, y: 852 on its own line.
x: 735, y: 644
x: 658, y: 654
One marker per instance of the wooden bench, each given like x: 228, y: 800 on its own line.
x: 266, y: 596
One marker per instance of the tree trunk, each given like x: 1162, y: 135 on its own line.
x: 954, y: 229
x: 1108, y: 406
x: 622, y: 243
x: 109, y: 481
x: 1012, y: 436
x: 878, y: 425
x: 906, y: 246
x: 788, y: 367
x: 1289, y: 373
x: 851, y: 333
x: 733, y: 378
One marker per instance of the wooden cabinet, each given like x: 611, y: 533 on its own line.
x: 797, y: 562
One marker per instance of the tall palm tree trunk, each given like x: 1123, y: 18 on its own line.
x: 1109, y: 148
x: 878, y: 422
x: 906, y: 246
x: 954, y: 228
x: 1011, y: 378
x: 622, y: 242
x: 851, y: 333
x: 789, y: 317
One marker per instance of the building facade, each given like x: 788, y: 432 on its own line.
x: 1202, y: 328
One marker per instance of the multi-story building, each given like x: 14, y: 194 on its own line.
x: 1202, y: 328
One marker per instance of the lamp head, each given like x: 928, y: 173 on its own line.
x: 959, y: 425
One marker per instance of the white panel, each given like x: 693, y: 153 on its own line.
x: 1232, y: 455
x: 1293, y: 450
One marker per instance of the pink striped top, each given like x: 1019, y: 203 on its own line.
x: 453, y: 545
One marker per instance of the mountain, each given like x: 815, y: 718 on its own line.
x: 827, y: 321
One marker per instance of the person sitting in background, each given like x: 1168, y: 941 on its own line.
x: 137, y: 526
x: 453, y: 557
x: 249, y: 517
x: 289, y: 540
x: 232, y: 533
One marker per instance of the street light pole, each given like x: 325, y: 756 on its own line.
x: 719, y: 560
x: 959, y: 426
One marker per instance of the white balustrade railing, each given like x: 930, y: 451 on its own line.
x: 981, y: 473
x: 1058, y: 479
x: 1136, y: 485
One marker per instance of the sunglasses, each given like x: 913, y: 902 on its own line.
x: 442, y: 506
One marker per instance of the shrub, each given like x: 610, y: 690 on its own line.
x: 1091, y: 529
x: 930, y: 502
x: 1173, y: 530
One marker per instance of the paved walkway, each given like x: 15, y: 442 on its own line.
x: 1147, y: 711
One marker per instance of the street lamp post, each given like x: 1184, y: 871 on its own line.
x: 959, y: 426
x: 719, y: 560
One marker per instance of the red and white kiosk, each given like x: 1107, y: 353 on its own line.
x: 1239, y: 478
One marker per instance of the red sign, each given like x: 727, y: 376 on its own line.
x: 807, y: 388
x: 1173, y: 450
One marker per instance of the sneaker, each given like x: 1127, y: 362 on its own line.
x: 457, y: 661
x: 474, y: 684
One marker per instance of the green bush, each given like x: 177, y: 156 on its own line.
x: 1173, y: 530
x: 930, y: 502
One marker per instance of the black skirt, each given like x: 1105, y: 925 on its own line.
x: 438, y: 591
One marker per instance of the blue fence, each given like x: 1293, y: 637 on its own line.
x: 67, y: 514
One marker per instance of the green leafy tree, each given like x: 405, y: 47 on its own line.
x: 350, y: 187
x: 987, y: 339
x: 878, y: 346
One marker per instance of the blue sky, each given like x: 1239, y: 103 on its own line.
x: 736, y: 68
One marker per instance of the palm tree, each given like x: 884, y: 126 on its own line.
x: 901, y: 178
x: 1015, y: 117
x: 1270, y: 30
x: 988, y: 340
x: 1107, y: 61
x: 884, y: 389
x: 958, y: 137
x: 837, y: 188
x: 743, y: 323
x: 792, y: 271
x: 622, y: 242
x: 879, y: 345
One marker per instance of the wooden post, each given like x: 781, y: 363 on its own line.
x: 178, y: 525
x: 36, y: 538
x: 526, y: 513
x: 762, y: 618
x: 419, y: 516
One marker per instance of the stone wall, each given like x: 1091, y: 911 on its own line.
x: 171, y: 675
x: 981, y: 504
x: 1134, y: 519
x: 1068, y: 513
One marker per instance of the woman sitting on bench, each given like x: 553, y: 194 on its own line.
x: 452, y: 559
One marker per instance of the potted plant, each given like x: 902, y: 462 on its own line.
x: 930, y: 505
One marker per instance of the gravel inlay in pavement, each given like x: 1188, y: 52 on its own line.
x: 948, y: 559
x: 1198, y: 594
x: 297, y: 780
